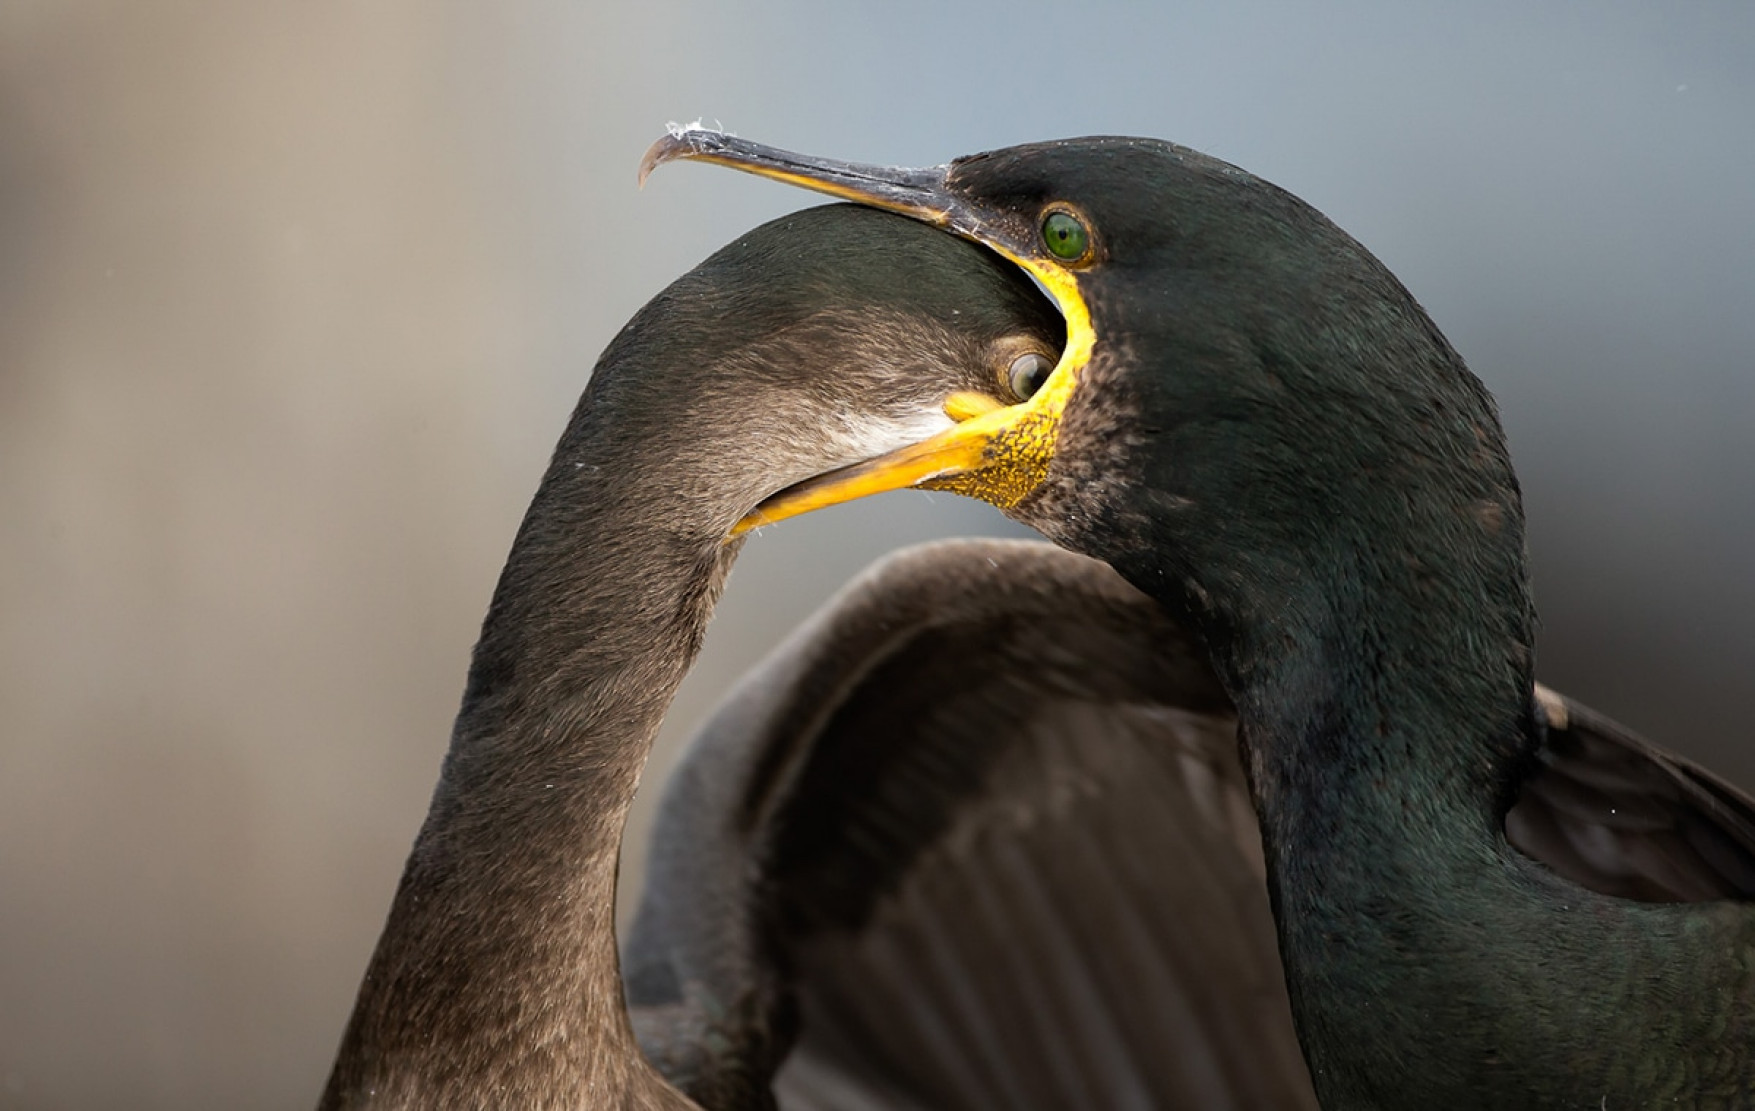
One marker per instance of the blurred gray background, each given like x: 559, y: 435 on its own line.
x: 294, y: 300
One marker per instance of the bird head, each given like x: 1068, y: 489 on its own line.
x: 827, y: 337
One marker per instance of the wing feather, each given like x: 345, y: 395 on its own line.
x: 1611, y: 812
x: 976, y: 837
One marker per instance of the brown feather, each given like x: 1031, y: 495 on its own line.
x: 982, y: 840
x: 1610, y: 812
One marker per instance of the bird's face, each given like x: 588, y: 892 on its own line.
x: 822, y: 339
x: 1067, y: 213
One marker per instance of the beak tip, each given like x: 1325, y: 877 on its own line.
x: 680, y: 141
x: 656, y: 155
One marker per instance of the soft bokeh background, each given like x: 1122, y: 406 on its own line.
x: 294, y: 300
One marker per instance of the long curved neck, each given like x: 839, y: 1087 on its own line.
x: 1340, y: 518
x: 1380, y: 655
x: 496, y: 978
x: 1383, y: 697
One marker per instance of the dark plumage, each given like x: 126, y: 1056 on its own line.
x: 1258, y: 427
x: 975, y: 837
x: 815, y: 341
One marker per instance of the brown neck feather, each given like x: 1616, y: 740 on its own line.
x: 496, y: 980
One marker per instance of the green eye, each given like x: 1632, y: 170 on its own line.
x: 1027, y: 373
x: 1065, y: 236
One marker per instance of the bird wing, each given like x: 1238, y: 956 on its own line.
x: 1610, y: 811
x: 975, y: 837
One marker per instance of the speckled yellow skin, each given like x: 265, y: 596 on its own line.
x: 999, y: 454
x: 1014, y: 464
x: 1016, y: 452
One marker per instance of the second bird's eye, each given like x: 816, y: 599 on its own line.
x: 1065, y: 235
x: 1027, y: 373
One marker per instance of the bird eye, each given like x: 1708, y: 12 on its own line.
x: 1027, y: 373
x: 1065, y: 235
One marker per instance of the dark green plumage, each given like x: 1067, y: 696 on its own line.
x: 1273, y: 440
x: 1313, y: 476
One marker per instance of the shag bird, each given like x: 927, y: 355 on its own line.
x: 818, y: 340
x: 818, y: 883
x: 1484, y: 897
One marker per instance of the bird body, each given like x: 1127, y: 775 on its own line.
x: 495, y: 982
x: 1322, y: 488
x: 1258, y: 427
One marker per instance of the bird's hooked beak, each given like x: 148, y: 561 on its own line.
x: 998, y: 454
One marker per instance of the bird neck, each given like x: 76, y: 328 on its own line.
x: 1382, y: 679
x: 496, y: 979
x: 1376, y: 636
x: 1352, y: 553
x: 1374, y: 665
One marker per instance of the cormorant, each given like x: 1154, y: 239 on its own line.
x: 821, y: 339
x: 1485, y: 897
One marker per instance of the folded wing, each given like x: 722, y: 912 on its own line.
x: 1611, y: 812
